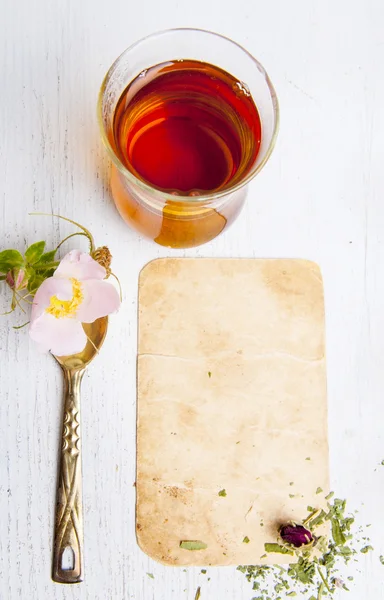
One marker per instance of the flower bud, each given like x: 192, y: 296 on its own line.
x: 17, y: 279
x: 296, y: 535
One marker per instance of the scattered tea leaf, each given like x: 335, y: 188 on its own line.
x: 337, y: 534
x: 330, y: 495
x: 203, y: 571
x: 319, y: 490
x: 246, y: 540
x: 366, y: 549
x: 151, y: 575
x: 308, y: 458
x: 209, y: 374
x: 193, y: 545
x: 277, y: 548
x: 222, y: 493
x: 197, y: 594
x: 382, y: 559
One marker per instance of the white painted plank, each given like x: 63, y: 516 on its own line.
x: 320, y: 197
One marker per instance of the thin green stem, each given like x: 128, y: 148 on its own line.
x: 21, y: 326
x: 120, y: 290
x: 17, y: 302
x: 86, y: 232
x: 92, y: 343
x: 324, y: 580
x: 320, y: 592
x: 70, y: 236
x: 24, y: 298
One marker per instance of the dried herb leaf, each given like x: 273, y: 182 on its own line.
x: 197, y: 594
x: 337, y: 534
x: 366, y: 549
x: 277, y: 548
x: 193, y: 545
x: 382, y: 559
x: 209, y: 374
x: 151, y: 575
x: 246, y: 540
x: 222, y: 493
x: 317, y: 520
x: 319, y: 490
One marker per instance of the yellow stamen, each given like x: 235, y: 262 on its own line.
x: 66, y: 308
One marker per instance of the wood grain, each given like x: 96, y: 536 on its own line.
x: 319, y: 198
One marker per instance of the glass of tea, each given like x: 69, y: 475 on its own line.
x: 188, y: 117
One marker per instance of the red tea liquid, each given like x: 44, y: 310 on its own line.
x: 187, y: 128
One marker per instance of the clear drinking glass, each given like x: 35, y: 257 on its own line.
x: 182, y: 221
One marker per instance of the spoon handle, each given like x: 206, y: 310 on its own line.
x: 68, y: 538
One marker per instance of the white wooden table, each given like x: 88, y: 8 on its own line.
x: 320, y: 197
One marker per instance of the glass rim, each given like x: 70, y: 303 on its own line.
x: 211, y: 196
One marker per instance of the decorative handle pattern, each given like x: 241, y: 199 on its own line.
x: 68, y: 537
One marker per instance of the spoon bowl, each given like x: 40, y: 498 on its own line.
x: 95, y: 333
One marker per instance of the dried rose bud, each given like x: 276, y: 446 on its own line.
x: 296, y: 535
x: 17, y: 279
x: 103, y: 256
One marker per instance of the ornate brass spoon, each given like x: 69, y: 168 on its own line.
x: 68, y: 538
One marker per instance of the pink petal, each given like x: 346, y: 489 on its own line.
x: 100, y: 299
x: 62, y: 288
x: 81, y: 266
x: 60, y: 336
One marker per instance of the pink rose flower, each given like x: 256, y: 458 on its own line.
x: 76, y: 294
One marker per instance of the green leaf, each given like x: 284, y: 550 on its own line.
x: 366, y: 549
x: 34, y: 252
x: 35, y: 282
x: 193, y: 545
x: 277, y: 548
x: 337, y: 534
x: 47, y: 257
x: 9, y: 259
x: 222, y: 493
